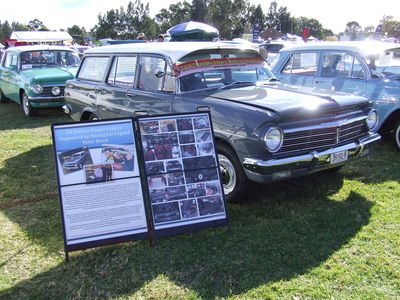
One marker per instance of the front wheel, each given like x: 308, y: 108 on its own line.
x: 397, y: 135
x: 26, y: 107
x: 234, y: 179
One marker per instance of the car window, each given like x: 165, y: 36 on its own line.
x: 49, y: 58
x: 302, y: 64
x: 123, y: 71
x: 153, y: 74
x: 93, y: 68
x: 10, y: 60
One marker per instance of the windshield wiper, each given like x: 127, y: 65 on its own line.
x: 228, y: 85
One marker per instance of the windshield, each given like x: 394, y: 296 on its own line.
x: 49, y: 58
x: 387, y: 63
x: 215, y: 68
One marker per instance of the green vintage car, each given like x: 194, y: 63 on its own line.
x: 35, y: 76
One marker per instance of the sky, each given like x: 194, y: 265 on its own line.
x: 61, y: 14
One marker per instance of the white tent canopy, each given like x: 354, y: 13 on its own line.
x: 41, y: 36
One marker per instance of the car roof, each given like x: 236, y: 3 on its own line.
x: 363, y: 47
x: 173, y: 50
x: 20, y: 49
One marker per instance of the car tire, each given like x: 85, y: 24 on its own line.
x: 26, y: 107
x: 396, y: 132
x: 3, y: 98
x: 93, y: 117
x: 234, y: 179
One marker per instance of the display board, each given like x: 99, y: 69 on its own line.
x: 137, y: 178
x: 182, y: 174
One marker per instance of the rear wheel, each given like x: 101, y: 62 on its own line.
x: 234, y: 179
x: 26, y: 107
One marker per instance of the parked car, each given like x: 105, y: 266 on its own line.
x: 370, y: 69
x: 264, y: 132
x: 35, y: 76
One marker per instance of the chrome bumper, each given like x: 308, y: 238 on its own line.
x: 313, y: 161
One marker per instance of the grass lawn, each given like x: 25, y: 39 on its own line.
x: 319, y: 237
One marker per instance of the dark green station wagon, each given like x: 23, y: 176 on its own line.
x: 264, y: 131
x: 35, y: 76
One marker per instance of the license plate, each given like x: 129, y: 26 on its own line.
x: 339, y: 157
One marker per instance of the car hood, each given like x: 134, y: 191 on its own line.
x: 285, y: 100
x: 50, y: 74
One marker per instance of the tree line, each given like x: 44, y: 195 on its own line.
x: 231, y: 17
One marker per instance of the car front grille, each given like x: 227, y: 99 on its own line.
x: 47, y: 91
x: 323, y: 137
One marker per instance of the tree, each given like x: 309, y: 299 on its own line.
x: 5, y: 30
x: 390, y: 27
x: 352, y: 26
x: 314, y: 25
x: 125, y: 24
x: 231, y: 18
x: 176, y: 14
x: 77, y: 33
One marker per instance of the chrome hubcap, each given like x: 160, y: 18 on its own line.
x: 25, y: 104
x: 398, y: 136
x: 228, y: 174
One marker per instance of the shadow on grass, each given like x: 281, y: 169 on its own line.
x: 290, y: 228
x: 13, y: 118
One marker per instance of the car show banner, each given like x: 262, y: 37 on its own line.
x: 136, y: 178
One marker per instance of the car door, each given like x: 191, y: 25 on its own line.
x: 83, y: 92
x: 137, y: 83
x: 8, y: 79
x: 300, y: 68
x: 342, y: 71
x: 112, y: 98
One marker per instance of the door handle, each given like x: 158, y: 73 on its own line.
x: 319, y: 81
x: 130, y: 96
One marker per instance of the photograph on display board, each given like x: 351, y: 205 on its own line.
x: 211, y: 205
x: 189, y: 209
x: 174, y: 165
x: 203, y: 136
x: 98, y: 173
x: 184, y: 124
x: 168, y: 125
x: 157, y: 181
x: 150, y: 127
x: 155, y: 167
x: 120, y: 156
x: 160, y: 146
x: 74, y: 160
x: 196, y: 190
x: 186, y: 137
x: 166, y: 212
x: 201, y: 122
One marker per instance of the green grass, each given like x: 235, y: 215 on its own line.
x: 319, y: 237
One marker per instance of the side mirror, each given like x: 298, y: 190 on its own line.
x: 159, y: 73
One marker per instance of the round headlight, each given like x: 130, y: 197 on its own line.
x: 37, y: 88
x: 372, y: 119
x: 273, y: 139
x: 55, y: 91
